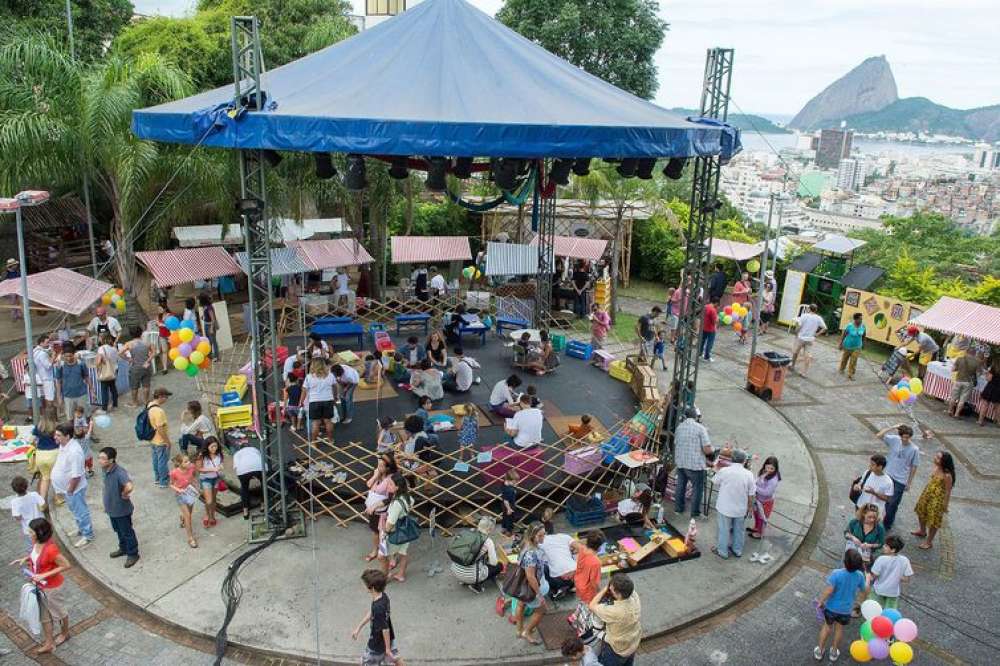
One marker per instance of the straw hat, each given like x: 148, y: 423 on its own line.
x: 11, y: 262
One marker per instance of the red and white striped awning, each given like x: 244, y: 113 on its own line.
x: 60, y: 289
x: 429, y: 249
x: 323, y: 254
x: 958, y: 317
x: 589, y: 249
x: 170, y: 267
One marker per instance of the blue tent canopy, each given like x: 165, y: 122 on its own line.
x: 441, y: 79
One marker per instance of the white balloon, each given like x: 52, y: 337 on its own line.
x: 870, y: 609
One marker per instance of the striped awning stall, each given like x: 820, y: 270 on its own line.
x: 429, y: 249
x: 170, y: 267
x: 511, y: 259
x: 589, y: 249
x: 319, y: 255
x: 284, y: 261
x: 958, y: 317
x: 60, y: 289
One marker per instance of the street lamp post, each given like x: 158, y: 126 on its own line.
x: 24, y: 199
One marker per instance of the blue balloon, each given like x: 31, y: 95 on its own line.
x: 893, y: 615
x: 187, y: 323
x: 172, y: 323
x: 102, y: 421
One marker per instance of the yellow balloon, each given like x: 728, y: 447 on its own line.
x: 859, y: 651
x: 204, y: 347
x: 186, y: 334
x: 173, y: 353
x: 903, y: 394
x: 120, y: 305
x: 901, y: 653
x: 196, y: 357
x: 181, y: 363
x: 106, y: 299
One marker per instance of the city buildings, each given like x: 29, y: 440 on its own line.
x: 834, y: 145
x: 986, y: 157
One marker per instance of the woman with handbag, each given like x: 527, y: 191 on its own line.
x: 397, y: 530
x: 107, y: 372
x: 46, y: 565
x: 532, y: 563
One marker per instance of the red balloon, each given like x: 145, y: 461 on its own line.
x: 882, y: 626
x: 728, y: 309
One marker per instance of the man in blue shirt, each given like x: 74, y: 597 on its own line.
x: 850, y: 345
x: 901, y: 466
x: 73, y: 382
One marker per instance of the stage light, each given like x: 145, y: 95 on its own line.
x: 560, y: 171
x: 674, y: 168
x: 324, y: 166
x: 627, y: 168
x: 504, y: 172
x: 400, y: 169
x: 273, y: 157
x: 354, y: 179
x: 645, y: 168
x: 581, y: 167
x: 463, y: 168
x: 437, y: 172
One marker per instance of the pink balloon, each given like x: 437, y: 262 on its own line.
x: 905, y: 630
x: 185, y: 349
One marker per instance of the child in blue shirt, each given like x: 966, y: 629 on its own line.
x: 843, y: 587
x: 659, y: 349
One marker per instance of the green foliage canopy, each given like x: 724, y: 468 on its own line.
x: 95, y: 22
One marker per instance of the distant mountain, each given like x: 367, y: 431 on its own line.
x: 868, y: 87
x: 919, y: 114
x: 745, y: 121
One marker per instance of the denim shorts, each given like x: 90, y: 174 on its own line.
x: 209, y: 482
x: 184, y: 499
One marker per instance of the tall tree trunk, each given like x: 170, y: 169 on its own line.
x: 409, y: 205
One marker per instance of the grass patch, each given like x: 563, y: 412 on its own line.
x: 645, y: 290
x: 624, y: 326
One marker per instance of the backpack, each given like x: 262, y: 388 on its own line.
x: 465, y: 547
x: 144, y: 430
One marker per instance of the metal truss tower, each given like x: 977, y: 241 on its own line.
x: 278, y: 512
x: 543, y: 222
x: 701, y: 223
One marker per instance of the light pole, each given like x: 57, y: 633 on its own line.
x: 24, y: 199
x: 760, y: 282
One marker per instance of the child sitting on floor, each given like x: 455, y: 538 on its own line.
x: 533, y: 394
x: 372, y: 375
x: 583, y: 429
x: 386, y: 438
x: 400, y: 374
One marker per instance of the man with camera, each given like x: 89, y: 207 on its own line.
x: 622, y: 626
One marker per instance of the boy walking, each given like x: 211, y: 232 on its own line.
x: 889, y: 570
x: 381, y: 648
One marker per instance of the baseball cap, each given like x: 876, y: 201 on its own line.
x: 161, y: 393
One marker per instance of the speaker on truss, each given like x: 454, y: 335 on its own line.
x: 462, y: 168
x: 354, y: 179
x: 437, y: 173
x: 399, y: 168
x: 675, y: 168
x: 324, y: 166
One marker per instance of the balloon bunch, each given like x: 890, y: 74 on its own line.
x: 735, y: 314
x: 471, y: 273
x: 188, y: 351
x: 885, y: 633
x: 905, y: 392
x: 115, y: 298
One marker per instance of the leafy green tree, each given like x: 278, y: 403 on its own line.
x: 615, y: 40
x: 95, y: 22
x: 181, y: 41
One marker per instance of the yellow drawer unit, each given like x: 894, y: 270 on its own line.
x: 239, y: 416
x: 618, y: 370
x: 236, y: 383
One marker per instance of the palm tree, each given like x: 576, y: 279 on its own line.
x: 60, y: 119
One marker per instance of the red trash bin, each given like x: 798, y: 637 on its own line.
x: 766, y: 374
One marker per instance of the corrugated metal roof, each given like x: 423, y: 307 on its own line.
x: 590, y: 249
x: 284, y: 261
x: 511, y: 259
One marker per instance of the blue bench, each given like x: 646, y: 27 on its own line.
x: 511, y: 323
x: 408, y: 320
x: 474, y: 330
x: 341, y: 330
x: 333, y: 320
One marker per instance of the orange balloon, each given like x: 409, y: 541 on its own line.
x: 737, y: 326
x: 893, y: 396
x: 120, y: 292
x: 175, y: 339
x: 205, y: 364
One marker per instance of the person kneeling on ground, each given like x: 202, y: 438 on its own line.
x: 461, y: 377
x: 561, y: 564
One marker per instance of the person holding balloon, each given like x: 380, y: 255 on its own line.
x: 742, y: 289
x: 843, y: 587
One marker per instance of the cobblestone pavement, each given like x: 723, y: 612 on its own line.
x: 950, y: 597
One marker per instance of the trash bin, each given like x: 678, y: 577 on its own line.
x: 766, y: 374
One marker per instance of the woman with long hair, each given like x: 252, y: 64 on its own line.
x: 380, y: 488
x: 210, y: 458
x: 534, y: 563
x: 107, y: 372
x: 865, y: 533
x: 209, y: 324
x: 437, y: 349
x: 47, y: 565
x: 934, y: 500
x: 317, y: 396
x: 767, y: 485
x: 396, y: 555
x: 46, y: 449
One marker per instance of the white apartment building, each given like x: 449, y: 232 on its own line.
x: 836, y: 223
x: 986, y: 156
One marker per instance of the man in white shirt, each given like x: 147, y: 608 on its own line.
x: 347, y: 382
x: 461, y: 377
x: 104, y: 323
x: 737, y: 487
x: 876, y: 486
x: 562, y: 564
x: 438, y: 286
x: 41, y: 355
x: 70, y: 479
x: 809, y: 326
x: 526, y: 426
x: 247, y: 464
x: 342, y: 289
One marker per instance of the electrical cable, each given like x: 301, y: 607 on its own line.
x: 232, y: 593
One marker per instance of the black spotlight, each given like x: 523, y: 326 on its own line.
x: 273, y: 157
x: 645, y: 168
x: 560, y: 171
x: 627, y: 168
x: 437, y: 172
x: 324, y: 166
x: 354, y: 179
x: 505, y: 172
x: 674, y: 168
x: 400, y: 169
x: 581, y: 167
x: 463, y: 167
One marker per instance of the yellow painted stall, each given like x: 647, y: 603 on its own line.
x: 884, y: 317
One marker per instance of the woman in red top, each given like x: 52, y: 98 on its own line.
x: 742, y: 289
x: 47, y: 565
x: 163, y: 344
x: 586, y: 580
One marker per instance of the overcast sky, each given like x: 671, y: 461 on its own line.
x: 789, y: 50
